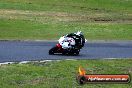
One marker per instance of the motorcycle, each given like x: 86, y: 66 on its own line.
x: 69, y: 44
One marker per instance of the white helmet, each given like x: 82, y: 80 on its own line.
x: 79, y: 33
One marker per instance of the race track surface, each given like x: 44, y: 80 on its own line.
x: 11, y: 51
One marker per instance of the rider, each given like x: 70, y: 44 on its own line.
x: 72, y: 39
x: 78, y: 37
x: 66, y: 42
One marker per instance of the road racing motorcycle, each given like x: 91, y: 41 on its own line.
x: 69, y: 44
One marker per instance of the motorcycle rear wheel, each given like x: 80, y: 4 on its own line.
x: 76, y: 52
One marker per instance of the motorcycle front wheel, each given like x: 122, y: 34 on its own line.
x: 52, y: 50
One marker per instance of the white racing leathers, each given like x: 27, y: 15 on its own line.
x: 66, y: 42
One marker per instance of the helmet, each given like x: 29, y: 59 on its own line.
x: 79, y: 33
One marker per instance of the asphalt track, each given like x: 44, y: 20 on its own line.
x: 11, y: 51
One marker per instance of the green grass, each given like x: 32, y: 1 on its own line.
x: 67, y: 5
x: 32, y: 30
x: 61, y: 74
x: 49, y: 19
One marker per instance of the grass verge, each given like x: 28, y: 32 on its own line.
x: 32, y: 30
x: 50, y: 19
x: 61, y: 74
